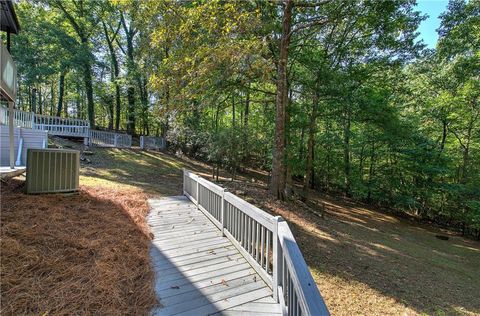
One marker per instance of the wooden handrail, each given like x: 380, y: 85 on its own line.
x: 265, y: 241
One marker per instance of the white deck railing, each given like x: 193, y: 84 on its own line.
x: 20, y: 118
x: 61, y: 126
x: 265, y: 241
x: 109, y: 139
x: 151, y: 142
x: 53, y: 124
x: 65, y: 127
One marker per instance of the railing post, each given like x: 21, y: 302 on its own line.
x: 115, y: 140
x: 142, y: 142
x: 183, y: 181
x: 277, y: 263
x: 223, y: 212
x: 198, y: 193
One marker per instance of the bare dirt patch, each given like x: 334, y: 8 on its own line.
x: 75, y: 254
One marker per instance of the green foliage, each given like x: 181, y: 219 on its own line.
x: 391, y: 123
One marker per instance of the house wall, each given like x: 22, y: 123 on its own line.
x: 31, y: 139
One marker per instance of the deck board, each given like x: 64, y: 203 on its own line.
x: 197, y: 270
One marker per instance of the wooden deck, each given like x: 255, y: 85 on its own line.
x: 198, y: 271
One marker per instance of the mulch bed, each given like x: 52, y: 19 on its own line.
x: 84, y: 253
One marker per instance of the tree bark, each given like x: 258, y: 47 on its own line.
x: 40, y: 107
x: 307, y: 184
x: 87, y: 76
x: 131, y: 110
x: 288, y: 138
x: 245, y: 126
x: 277, y: 183
x: 61, y: 89
x: 52, y: 97
x: 371, y: 172
x: 346, y: 150
x: 113, y: 77
x: 34, y: 100
x: 129, y: 35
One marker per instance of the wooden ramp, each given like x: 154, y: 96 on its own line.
x: 199, y: 272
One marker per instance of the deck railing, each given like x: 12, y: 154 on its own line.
x: 61, y: 126
x: 65, y: 127
x: 20, y: 118
x: 109, y: 139
x: 151, y: 142
x: 53, y: 124
x: 264, y: 240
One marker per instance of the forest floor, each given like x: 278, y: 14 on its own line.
x: 364, y: 261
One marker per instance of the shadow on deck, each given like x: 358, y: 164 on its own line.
x: 197, y: 270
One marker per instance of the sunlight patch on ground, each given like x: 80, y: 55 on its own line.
x: 383, y: 247
x: 466, y: 247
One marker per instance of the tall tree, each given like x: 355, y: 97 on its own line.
x: 83, y: 17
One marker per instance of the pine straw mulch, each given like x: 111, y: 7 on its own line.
x: 84, y: 253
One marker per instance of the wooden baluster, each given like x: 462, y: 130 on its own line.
x: 267, y: 254
x: 277, y: 256
x: 262, y: 253
x: 257, y: 242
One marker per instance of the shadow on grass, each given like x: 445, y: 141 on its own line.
x: 156, y: 173
x: 83, y: 253
x: 393, y: 258
x: 366, y: 262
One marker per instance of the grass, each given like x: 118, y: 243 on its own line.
x: 364, y: 261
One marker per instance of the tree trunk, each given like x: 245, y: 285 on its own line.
x: 245, y: 126
x: 131, y: 110
x: 277, y: 184
x: 87, y: 76
x: 34, y: 100
x: 307, y: 184
x: 288, y: 138
x: 52, y: 97
x: 130, y: 33
x: 142, y: 82
x: 40, y: 107
x: 346, y: 150
x: 61, y: 89
x: 167, y: 101
x: 371, y: 172
x: 118, y: 106
x: 113, y: 79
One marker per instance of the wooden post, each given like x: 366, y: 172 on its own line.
x: 142, y: 144
x: 277, y: 264
x: 11, y: 134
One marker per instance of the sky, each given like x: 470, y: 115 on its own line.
x: 428, y: 27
